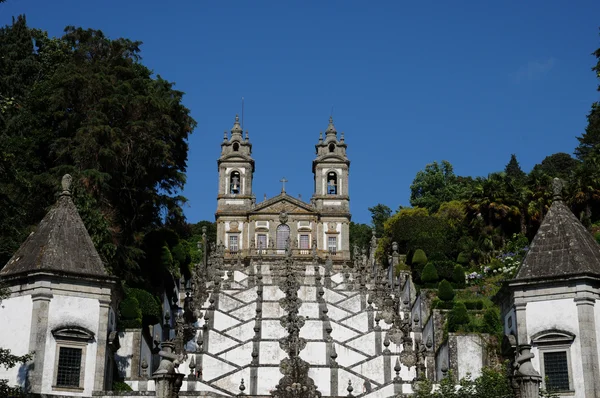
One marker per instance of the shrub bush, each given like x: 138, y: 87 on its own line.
x: 442, y: 305
x: 457, y: 317
x: 445, y: 291
x: 463, y: 258
x: 130, y: 314
x: 458, y: 276
x: 419, y: 258
x: 149, y: 306
x: 120, y: 386
x: 473, y: 304
x: 444, y: 269
x: 491, y: 321
x: 429, y: 274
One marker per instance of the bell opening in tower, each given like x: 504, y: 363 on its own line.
x: 234, y: 183
x: 331, y: 183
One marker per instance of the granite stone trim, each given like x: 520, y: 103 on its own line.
x: 589, y: 347
x: 37, y: 338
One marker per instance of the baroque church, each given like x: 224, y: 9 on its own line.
x: 281, y: 307
x: 248, y: 228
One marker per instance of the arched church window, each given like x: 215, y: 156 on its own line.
x: 332, y: 147
x: 331, y: 183
x: 283, y: 234
x: 236, y: 147
x: 234, y: 183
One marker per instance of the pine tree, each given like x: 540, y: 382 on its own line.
x: 591, y: 138
x: 513, y: 169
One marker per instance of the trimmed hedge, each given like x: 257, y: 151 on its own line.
x: 445, y: 291
x: 474, y: 304
x: 457, y: 317
x: 149, y: 306
x: 139, y: 308
x: 429, y: 274
x: 458, y: 276
x: 491, y: 321
x: 419, y: 258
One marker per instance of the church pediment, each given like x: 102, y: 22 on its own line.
x: 283, y: 203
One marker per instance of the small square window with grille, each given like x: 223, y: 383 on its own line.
x: 556, y: 371
x: 262, y: 241
x: 233, y: 243
x: 69, y: 367
x: 304, y: 242
x: 332, y: 244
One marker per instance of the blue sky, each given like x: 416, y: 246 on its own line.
x: 409, y: 82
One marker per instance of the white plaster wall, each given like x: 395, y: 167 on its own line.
x: 268, y: 378
x: 124, y: 354
x: 470, y: 355
x: 15, y: 321
x: 66, y: 311
x: 556, y: 314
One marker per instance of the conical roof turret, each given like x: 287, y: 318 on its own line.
x: 562, y: 247
x: 60, y: 244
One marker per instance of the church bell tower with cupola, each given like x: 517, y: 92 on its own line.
x: 235, y: 198
x: 331, y: 196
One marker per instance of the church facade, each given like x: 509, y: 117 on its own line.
x: 249, y: 229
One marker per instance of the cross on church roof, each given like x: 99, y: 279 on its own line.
x: 283, y: 181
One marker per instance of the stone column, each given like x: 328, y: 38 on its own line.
x: 521, y: 322
x: 37, y: 338
x: 101, y: 340
x: 589, y: 348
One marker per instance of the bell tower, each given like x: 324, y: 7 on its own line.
x: 235, y: 198
x: 331, y: 199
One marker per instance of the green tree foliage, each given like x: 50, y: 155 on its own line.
x: 463, y: 258
x: 429, y: 275
x: 415, y: 229
x: 513, y: 170
x: 453, y: 212
x: 445, y: 291
x: 139, y: 308
x: 379, y: 215
x: 493, y: 383
x: 130, y: 314
x: 86, y: 105
x: 458, y: 317
x: 193, y: 239
x: 435, y: 185
x: 491, y: 321
x: 458, y: 276
x: 559, y: 165
x: 591, y: 138
x: 360, y: 236
x: 167, y: 255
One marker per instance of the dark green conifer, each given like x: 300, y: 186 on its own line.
x: 458, y: 276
